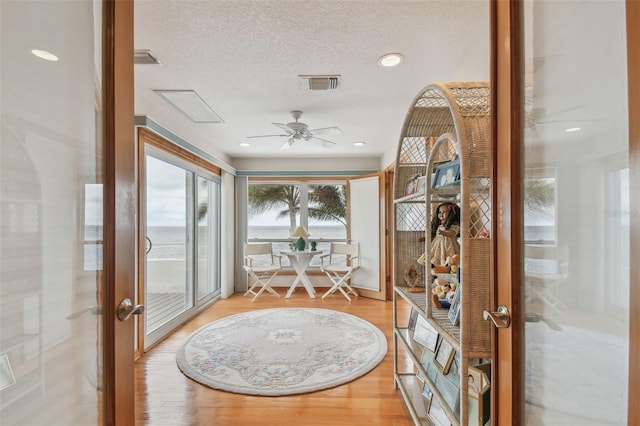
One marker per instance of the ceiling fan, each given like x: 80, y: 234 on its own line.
x: 297, y: 130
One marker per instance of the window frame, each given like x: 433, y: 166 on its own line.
x: 304, y: 183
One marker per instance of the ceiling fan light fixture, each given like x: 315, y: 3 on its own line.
x: 359, y: 143
x: 390, y: 60
x: 245, y: 144
x: 572, y: 129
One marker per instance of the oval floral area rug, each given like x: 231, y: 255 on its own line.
x: 281, y: 351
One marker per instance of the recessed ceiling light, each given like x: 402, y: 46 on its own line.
x: 43, y: 54
x: 390, y: 60
x: 245, y: 144
x: 572, y: 129
x: 359, y: 143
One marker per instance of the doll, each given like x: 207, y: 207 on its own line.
x: 443, y: 293
x: 445, y: 227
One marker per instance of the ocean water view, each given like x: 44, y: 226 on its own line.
x: 169, y: 242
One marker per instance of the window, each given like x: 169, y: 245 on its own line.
x: 540, y: 209
x: 276, y: 209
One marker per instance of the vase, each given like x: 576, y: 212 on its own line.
x: 300, y: 243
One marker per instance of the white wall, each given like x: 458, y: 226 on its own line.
x: 227, y: 232
x: 308, y: 164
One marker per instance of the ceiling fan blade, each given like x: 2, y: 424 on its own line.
x: 284, y: 127
x: 287, y: 144
x: 319, y: 141
x: 325, y: 131
x: 266, y: 136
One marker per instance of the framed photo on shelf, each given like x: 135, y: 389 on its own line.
x: 447, y: 173
x: 432, y: 372
x: 449, y: 391
x: 426, y: 359
x: 427, y: 395
x: 444, y: 356
x: 410, y: 185
x: 454, y: 309
x: 421, y: 185
x: 413, y: 316
x: 425, y: 334
x: 437, y: 414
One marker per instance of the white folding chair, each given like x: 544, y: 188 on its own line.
x: 261, y: 265
x: 340, y: 264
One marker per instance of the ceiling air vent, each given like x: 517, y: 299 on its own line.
x: 144, y: 57
x: 319, y: 82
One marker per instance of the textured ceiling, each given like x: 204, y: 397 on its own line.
x: 243, y: 58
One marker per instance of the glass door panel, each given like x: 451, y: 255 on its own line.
x: 51, y: 213
x: 576, y: 254
x: 208, y: 240
x: 168, y: 229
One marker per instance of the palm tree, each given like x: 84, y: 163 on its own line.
x: 329, y: 203
x: 326, y: 202
x: 269, y: 197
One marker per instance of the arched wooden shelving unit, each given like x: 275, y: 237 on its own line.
x: 446, y: 122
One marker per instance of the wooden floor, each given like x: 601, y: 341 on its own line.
x: 164, y: 396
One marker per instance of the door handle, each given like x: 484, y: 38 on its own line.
x: 501, y: 318
x: 148, y: 245
x: 126, y: 309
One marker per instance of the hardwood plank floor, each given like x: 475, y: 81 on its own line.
x: 164, y: 396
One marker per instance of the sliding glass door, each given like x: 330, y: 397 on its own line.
x: 169, y: 254
x: 208, y: 252
x: 181, y: 269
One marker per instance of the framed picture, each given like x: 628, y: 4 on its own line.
x: 426, y: 358
x: 454, y: 309
x: 449, y: 391
x: 437, y: 414
x: 413, y: 316
x: 410, y: 185
x: 427, y: 394
x: 432, y: 372
x: 425, y: 334
x: 444, y: 356
x: 447, y: 173
x: 421, y: 185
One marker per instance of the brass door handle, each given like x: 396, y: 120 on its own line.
x: 501, y: 318
x: 126, y: 309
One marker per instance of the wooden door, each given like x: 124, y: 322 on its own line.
x: 589, y: 170
x: 120, y: 209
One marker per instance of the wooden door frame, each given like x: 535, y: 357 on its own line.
x: 506, y: 82
x: 506, y: 99
x: 389, y: 174
x: 120, y: 202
